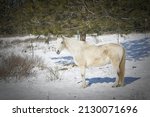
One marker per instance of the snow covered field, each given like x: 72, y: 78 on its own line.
x: 39, y: 85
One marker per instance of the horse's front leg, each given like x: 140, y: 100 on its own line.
x: 84, y: 85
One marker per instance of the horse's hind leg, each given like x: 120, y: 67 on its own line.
x: 116, y: 84
x: 118, y: 81
x: 121, y: 78
x: 84, y: 85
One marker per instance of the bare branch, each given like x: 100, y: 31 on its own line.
x: 85, y: 6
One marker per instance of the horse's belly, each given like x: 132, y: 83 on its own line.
x: 98, y: 62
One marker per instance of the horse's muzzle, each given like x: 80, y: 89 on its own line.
x: 58, y: 52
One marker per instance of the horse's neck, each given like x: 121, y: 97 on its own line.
x: 73, y: 46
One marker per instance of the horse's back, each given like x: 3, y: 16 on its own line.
x: 114, y: 51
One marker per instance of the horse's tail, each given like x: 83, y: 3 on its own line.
x: 121, y: 72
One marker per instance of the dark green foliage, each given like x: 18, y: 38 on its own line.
x: 69, y: 16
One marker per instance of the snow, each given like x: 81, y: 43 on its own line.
x: 39, y: 85
x: 18, y: 38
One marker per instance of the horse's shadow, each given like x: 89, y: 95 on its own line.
x: 95, y: 80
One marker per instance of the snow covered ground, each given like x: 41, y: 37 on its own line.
x: 39, y: 86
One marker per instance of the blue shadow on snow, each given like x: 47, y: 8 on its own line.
x: 95, y: 80
x: 65, y: 60
x: 137, y: 49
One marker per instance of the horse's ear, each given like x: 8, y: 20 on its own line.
x: 57, y: 35
x: 62, y: 37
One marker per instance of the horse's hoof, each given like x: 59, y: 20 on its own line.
x: 84, y: 86
x: 117, y: 85
x: 114, y: 85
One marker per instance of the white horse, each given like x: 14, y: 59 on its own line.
x: 86, y: 55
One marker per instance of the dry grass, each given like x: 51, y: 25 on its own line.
x: 53, y: 73
x: 17, y: 66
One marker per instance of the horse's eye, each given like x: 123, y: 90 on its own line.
x: 62, y: 42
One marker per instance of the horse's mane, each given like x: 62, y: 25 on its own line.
x: 76, y: 43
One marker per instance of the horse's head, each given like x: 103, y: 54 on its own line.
x: 60, y: 45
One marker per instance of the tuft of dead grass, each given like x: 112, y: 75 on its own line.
x: 53, y: 73
x: 17, y: 66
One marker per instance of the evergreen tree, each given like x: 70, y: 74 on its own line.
x: 71, y: 16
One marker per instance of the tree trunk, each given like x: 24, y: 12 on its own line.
x: 82, y: 36
x: 118, y: 39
